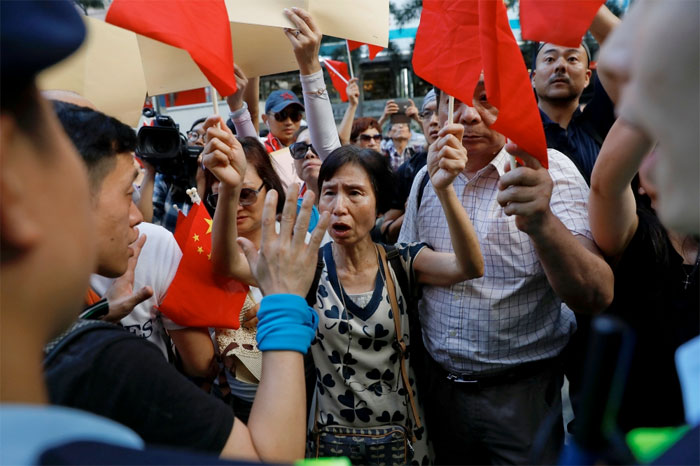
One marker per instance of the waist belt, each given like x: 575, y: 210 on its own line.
x: 506, y: 375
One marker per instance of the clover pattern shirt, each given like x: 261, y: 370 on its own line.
x: 358, y: 376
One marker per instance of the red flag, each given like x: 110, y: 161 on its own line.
x: 201, y: 28
x: 197, y: 297
x: 338, y: 72
x: 556, y: 21
x: 456, y: 41
x: 373, y: 49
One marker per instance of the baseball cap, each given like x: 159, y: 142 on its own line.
x: 35, y: 34
x: 281, y: 99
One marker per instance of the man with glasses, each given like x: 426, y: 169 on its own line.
x: 283, y: 114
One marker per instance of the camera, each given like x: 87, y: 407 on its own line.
x: 163, y: 146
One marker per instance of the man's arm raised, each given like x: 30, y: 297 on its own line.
x: 574, y: 267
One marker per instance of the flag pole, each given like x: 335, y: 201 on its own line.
x: 330, y: 67
x: 352, y: 73
x: 215, y: 100
x: 450, y: 110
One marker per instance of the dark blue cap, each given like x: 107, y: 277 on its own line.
x: 36, y: 34
x: 281, y: 99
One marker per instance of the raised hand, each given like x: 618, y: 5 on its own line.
x: 223, y: 154
x: 526, y: 191
x: 412, y: 111
x: 305, y: 39
x: 120, y: 295
x: 447, y: 157
x: 285, y: 263
x: 235, y: 101
x: 353, y: 92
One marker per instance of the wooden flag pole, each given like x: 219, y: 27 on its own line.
x: 352, y: 73
x: 215, y: 99
x: 450, y: 110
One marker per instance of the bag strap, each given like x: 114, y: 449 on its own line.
x: 78, y: 328
x: 311, y: 295
x: 391, y: 289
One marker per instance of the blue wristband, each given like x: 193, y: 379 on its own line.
x: 285, y: 323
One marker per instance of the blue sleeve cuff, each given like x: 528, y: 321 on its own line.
x: 285, y: 323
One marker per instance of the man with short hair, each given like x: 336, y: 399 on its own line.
x: 560, y: 75
x: 283, y: 114
x: 494, y: 342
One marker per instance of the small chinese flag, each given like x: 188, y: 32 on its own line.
x: 373, y: 49
x: 201, y: 28
x: 197, y: 297
x: 556, y: 21
x: 456, y: 41
x: 338, y: 72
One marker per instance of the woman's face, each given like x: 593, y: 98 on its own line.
x: 351, y: 202
x: 249, y: 217
x: 308, y: 167
x: 369, y: 139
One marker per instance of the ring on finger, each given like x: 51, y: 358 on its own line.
x: 296, y: 33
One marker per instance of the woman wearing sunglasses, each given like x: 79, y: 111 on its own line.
x: 242, y: 205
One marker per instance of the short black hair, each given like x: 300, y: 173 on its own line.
x: 98, y: 138
x: 22, y: 102
x: 197, y: 121
x: 372, y: 162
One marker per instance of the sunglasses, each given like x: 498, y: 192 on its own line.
x: 299, y: 150
x: 294, y: 113
x: 368, y: 138
x: 247, y: 197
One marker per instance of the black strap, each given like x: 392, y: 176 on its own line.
x: 421, y: 188
x: 78, y: 328
x: 311, y: 295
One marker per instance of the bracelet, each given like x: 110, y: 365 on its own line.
x: 319, y: 92
x: 285, y: 323
x: 238, y: 112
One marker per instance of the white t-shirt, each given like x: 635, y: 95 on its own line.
x: 156, y: 267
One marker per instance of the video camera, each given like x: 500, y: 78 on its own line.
x: 163, y: 146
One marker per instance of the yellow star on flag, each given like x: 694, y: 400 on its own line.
x: 196, y: 237
x: 200, y: 250
x: 209, y: 222
x: 209, y: 256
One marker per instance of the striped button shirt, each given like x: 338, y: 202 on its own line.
x: 511, y: 315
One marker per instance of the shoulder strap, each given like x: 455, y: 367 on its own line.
x: 421, y: 189
x: 78, y: 328
x: 311, y: 295
x: 394, y: 258
x: 391, y: 289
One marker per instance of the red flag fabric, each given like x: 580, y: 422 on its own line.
x: 197, y: 297
x: 201, y: 28
x: 456, y: 41
x: 338, y: 72
x: 556, y: 21
x: 373, y: 49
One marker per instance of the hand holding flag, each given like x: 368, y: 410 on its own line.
x: 338, y: 71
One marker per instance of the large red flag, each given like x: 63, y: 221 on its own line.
x: 338, y: 72
x: 456, y: 41
x: 556, y: 21
x: 201, y: 28
x: 197, y: 297
x: 373, y: 49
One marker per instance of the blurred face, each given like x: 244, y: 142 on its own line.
x: 117, y: 217
x: 431, y: 125
x: 657, y: 69
x: 285, y: 123
x: 400, y: 131
x: 477, y: 118
x: 369, y: 139
x: 196, y: 136
x: 352, y: 204
x: 249, y: 217
x: 561, y: 73
x: 308, y: 167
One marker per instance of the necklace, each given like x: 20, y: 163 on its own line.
x: 689, y: 276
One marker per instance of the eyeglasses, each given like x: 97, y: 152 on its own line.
x: 299, y: 150
x: 367, y: 137
x: 193, y: 136
x: 427, y: 114
x: 247, y: 197
x: 294, y: 113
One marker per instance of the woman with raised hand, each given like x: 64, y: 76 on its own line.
x: 656, y: 275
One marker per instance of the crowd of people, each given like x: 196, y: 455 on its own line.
x: 407, y: 303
